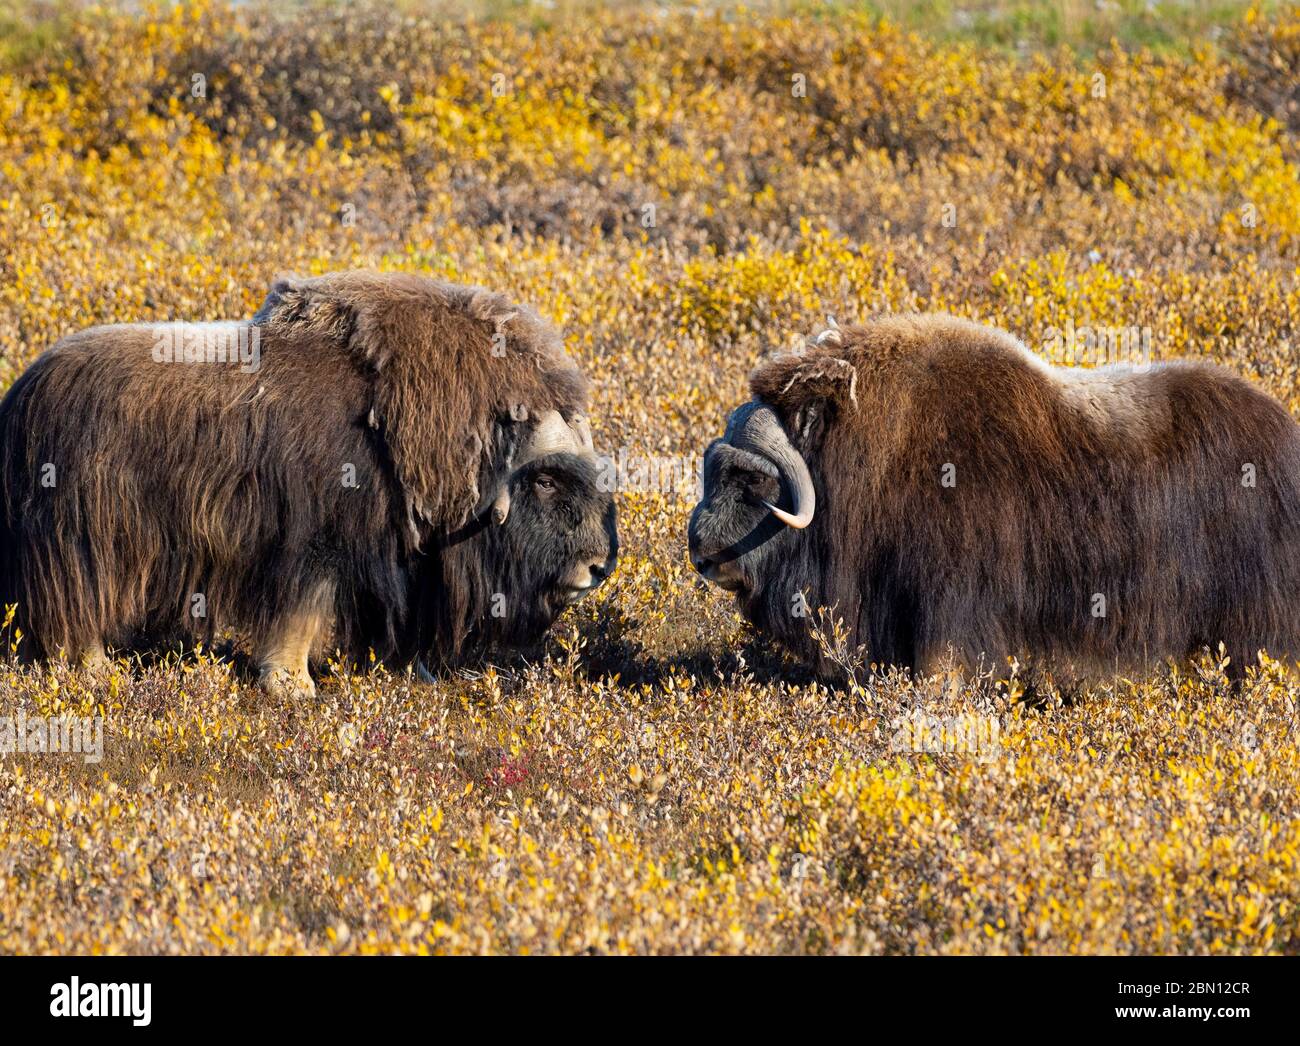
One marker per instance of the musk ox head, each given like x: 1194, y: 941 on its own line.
x: 752, y: 532
x: 759, y: 530
x: 543, y: 537
x: 749, y: 474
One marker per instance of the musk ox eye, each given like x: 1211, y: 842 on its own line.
x: 758, y: 485
x: 545, y: 486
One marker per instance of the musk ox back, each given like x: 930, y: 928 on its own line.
x: 940, y: 487
x: 378, y: 462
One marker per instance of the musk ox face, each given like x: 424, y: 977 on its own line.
x: 758, y: 497
x: 567, y: 527
x: 544, y: 538
x: 732, y: 531
x: 558, y: 544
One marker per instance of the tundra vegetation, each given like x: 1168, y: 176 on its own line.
x: 682, y: 192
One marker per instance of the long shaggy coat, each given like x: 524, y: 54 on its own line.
x: 971, y: 497
x: 142, y: 498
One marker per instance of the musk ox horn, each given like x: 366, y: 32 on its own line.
x: 831, y: 334
x: 582, y: 427
x: 551, y: 435
x: 756, y: 428
x: 501, y: 504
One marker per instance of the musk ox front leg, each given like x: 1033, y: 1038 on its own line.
x: 287, y: 646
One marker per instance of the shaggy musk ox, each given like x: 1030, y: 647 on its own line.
x: 942, y: 488
x: 402, y: 466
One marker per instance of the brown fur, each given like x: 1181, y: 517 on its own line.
x: 175, y: 479
x: 1069, y: 483
x: 422, y: 343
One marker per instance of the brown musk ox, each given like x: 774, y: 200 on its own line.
x: 375, y: 462
x: 941, y: 489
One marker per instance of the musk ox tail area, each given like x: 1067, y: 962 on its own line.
x: 39, y: 612
x: 289, y: 478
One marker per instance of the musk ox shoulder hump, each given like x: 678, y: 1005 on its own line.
x: 445, y: 364
x: 960, y: 356
x: 373, y: 311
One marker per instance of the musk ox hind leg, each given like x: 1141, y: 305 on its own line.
x: 283, y: 653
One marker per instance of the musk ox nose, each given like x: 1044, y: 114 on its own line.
x: 721, y: 571
x: 588, y: 576
x: 600, y: 571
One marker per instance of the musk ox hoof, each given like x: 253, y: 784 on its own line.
x: 94, y: 659
x: 96, y: 665
x: 296, y: 684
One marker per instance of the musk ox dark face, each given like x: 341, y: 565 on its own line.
x: 944, y: 492
x: 748, y: 533
x: 563, y: 526
x: 734, y: 534
x: 549, y: 539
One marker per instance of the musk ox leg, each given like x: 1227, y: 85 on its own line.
x: 88, y: 655
x: 94, y: 659
x: 95, y: 663
x: 946, y: 676
x: 946, y: 663
x: 283, y: 656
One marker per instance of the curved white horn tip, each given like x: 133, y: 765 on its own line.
x: 501, y: 505
x: 790, y: 520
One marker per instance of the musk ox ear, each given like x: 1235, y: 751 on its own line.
x: 806, y: 387
x: 445, y: 364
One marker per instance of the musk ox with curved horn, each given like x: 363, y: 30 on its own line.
x: 943, y: 489
x: 377, y: 462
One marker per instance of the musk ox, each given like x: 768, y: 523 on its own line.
x: 942, y: 489
x: 377, y: 462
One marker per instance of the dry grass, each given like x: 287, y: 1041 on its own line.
x: 656, y: 780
